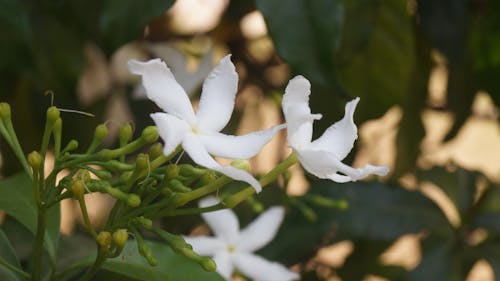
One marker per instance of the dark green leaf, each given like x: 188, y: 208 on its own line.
x: 123, y: 21
x: 17, y: 200
x: 8, y: 255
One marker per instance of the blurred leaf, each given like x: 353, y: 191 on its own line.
x: 17, y: 200
x: 377, y: 212
x: 122, y: 21
x: 488, y: 212
x: 8, y: 255
x: 443, y: 258
x: 460, y: 186
x: 306, y: 34
x: 363, y: 260
x: 383, y: 41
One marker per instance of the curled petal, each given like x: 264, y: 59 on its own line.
x: 224, y: 223
x: 261, y: 231
x: 193, y: 146
x: 162, y: 88
x: 297, y: 112
x: 258, y: 268
x: 339, y: 138
x: 224, y: 264
x: 206, y: 246
x: 217, y: 97
x: 325, y: 165
x: 238, y: 147
x: 171, y: 129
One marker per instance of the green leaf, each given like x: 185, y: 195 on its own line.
x: 377, y: 54
x: 306, y: 34
x: 17, y: 200
x: 376, y: 212
x: 122, y: 21
x: 8, y: 255
x: 460, y: 186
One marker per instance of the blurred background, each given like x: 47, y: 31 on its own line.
x: 426, y: 71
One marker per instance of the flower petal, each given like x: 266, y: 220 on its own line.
x: 258, y: 268
x: 162, y: 88
x: 193, y: 146
x: 205, y: 246
x: 224, y: 264
x: 171, y: 129
x: 297, y: 112
x: 217, y: 97
x: 325, y: 165
x: 224, y: 223
x: 238, y: 147
x: 261, y: 231
x: 339, y: 138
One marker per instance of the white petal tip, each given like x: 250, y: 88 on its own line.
x: 139, y: 67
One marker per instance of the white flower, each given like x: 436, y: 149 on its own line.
x: 232, y: 248
x: 323, y: 156
x: 199, y: 133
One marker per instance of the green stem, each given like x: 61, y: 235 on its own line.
x: 38, y: 247
x: 268, y: 178
x: 99, y: 260
x: 194, y: 211
x: 10, y: 135
x: 85, y: 214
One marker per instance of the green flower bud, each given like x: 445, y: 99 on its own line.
x: 241, y: 164
x: 83, y: 175
x: 143, y: 222
x: 208, y: 264
x: 208, y: 177
x: 72, y: 145
x: 101, y: 131
x: 171, y: 172
x: 176, y: 185
x: 35, y: 160
x: 156, y: 150
x: 133, y: 200
x: 150, y: 134
x: 103, y: 175
x: 142, y: 162
x: 78, y: 188
x: 58, y: 126
x: 189, y: 171
x: 105, y: 154
x: 5, y: 112
x: 104, y: 239
x: 147, y: 253
x: 125, y: 133
x: 52, y: 114
x: 120, y: 237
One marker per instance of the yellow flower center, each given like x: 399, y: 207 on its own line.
x: 231, y: 248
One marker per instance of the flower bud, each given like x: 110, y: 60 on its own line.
x: 35, y: 160
x: 101, y: 131
x: 52, y: 114
x: 176, y: 185
x: 72, y: 145
x: 103, y: 175
x: 171, y: 172
x: 57, y: 126
x: 133, y: 200
x: 142, y: 163
x: 241, y: 164
x: 5, y: 112
x: 208, y: 177
x: 156, y: 150
x: 120, y: 237
x: 208, y: 264
x: 125, y: 133
x: 104, y: 239
x: 147, y: 253
x: 83, y: 175
x: 78, y: 188
x: 143, y: 222
x: 189, y: 171
x: 150, y: 134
